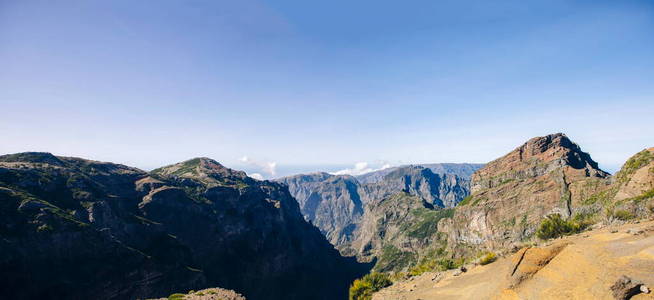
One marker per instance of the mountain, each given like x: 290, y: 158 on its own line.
x: 463, y: 170
x: 444, y: 190
x: 517, y: 193
x: 349, y: 213
x: 512, y: 194
x: 333, y: 203
x: 78, y: 229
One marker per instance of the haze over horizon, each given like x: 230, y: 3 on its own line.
x: 287, y: 87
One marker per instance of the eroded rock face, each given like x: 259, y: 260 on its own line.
x: 359, y: 218
x: 512, y: 194
x: 398, y: 231
x: 332, y: 203
x: 79, y: 229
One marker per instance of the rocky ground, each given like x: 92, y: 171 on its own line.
x: 613, y: 262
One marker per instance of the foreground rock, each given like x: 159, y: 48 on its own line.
x: 77, y: 229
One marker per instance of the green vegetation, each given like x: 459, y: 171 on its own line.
x: 362, y: 289
x: 603, y: 197
x: 488, y: 258
x: 176, y: 296
x: 623, y: 215
x: 470, y: 200
x: 393, y: 258
x: 427, y: 222
x: 554, y: 226
x: 188, y: 166
x: 432, y: 264
x: 466, y: 200
x: 646, y: 195
x: 634, y: 163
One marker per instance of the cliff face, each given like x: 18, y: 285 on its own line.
x: 437, y: 190
x: 512, y: 194
x: 332, y: 203
x: 392, y: 219
x: 79, y: 229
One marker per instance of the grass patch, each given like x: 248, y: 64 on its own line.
x: 362, y: 289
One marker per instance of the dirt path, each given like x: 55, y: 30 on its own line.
x: 586, y: 268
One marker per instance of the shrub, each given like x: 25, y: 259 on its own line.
x: 362, y: 289
x: 554, y: 226
x: 176, y: 296
x: 488, y: 258
x: 623, y: 215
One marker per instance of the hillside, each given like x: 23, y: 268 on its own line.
x: 80, y: 229
x: 514, y: 198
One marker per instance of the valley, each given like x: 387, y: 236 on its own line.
x: 75, y: 228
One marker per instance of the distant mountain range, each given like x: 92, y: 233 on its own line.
x: 341, y: 205
x: 463, y: 170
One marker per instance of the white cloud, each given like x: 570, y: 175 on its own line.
x: 256, y: 176
x: 266, y: 167
x: 360, y: 168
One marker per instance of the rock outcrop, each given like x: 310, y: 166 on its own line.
x: 206, y: 294
x: 511, y: 195
x: 79, y: 229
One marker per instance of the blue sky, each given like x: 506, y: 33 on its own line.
x: 301, y: 85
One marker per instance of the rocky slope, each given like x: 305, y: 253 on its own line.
x: 79, y: 229
x: 398, y: 231
x: 589, y: 265
x: 511, y: 195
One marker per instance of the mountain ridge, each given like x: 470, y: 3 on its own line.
x: 190, y: 225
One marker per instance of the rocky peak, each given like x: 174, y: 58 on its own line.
x: 200, y: 168
x: 536, y: 157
